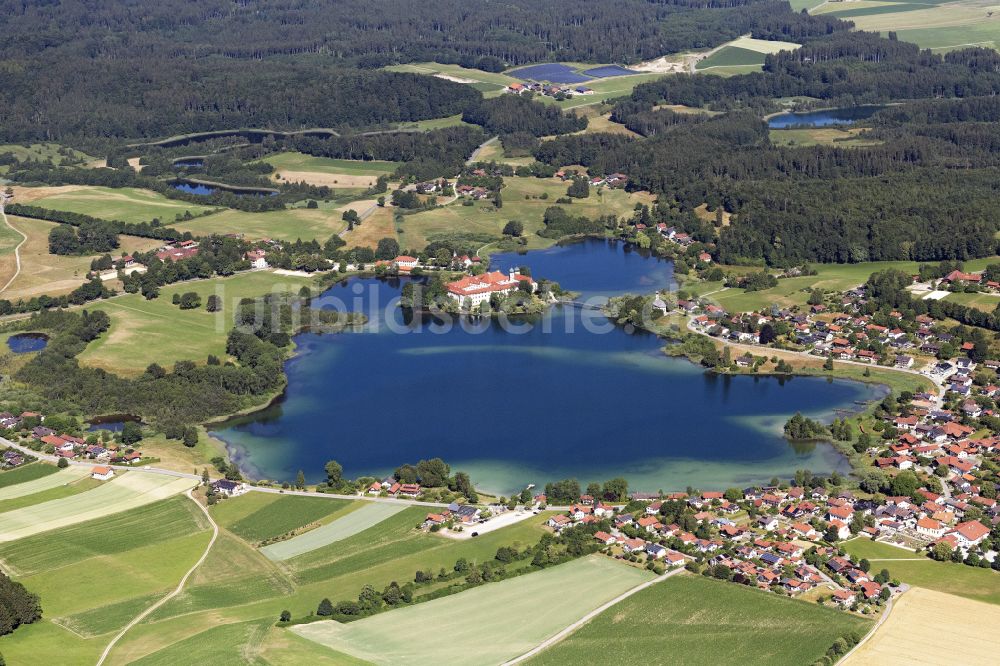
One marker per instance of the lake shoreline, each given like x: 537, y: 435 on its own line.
x: 752, y: 466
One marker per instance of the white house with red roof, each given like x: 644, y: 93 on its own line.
x: 102, y: 473
x: 474, y: 289
x: 186, y: 251
x: 256, y: 258
x: 970, y: 533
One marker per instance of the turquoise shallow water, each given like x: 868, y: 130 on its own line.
x: 568, y: 396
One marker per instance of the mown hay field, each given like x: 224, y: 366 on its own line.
x: 487, y: 624
x: 365, y: 517
x: 694, y: 620
x: 914, y: 634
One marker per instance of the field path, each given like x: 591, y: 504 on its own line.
x: 549, y: 642
x: 475, y: 153
x: 180, y: 586
x: 17, y: 250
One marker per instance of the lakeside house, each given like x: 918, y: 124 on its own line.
x: 472, y: 290
x: 228, y: 488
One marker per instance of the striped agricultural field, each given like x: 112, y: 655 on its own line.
x: 357, y: 521
x: 128, y: 491
x: 60, y: 478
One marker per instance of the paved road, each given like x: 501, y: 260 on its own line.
x: 185, y: 475
x: 17, y: 250
x: 475, y: 153
x: 177, y: 590
x: 590, y: 616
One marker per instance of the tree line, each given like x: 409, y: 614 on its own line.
x: 90, y: 225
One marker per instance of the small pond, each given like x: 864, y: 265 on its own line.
x: 192, y: 163
x: 823, y: 118
x: 111, y: 422
x: 23, y: 343
x: 205, y: 190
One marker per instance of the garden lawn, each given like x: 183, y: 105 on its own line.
x: 288, y: 513
x: 157, y: 331
x: 487, y: 624
x: 696, y: 620
x: 127, y: 204
x: 369, y: 515
x: 956, y: 579
x: 25, y: 473
x: 125, y: 492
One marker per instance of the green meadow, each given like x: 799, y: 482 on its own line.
x: 695, y: 620
x: 123, y: 493
x: 95, y: 576
x: 147, y: 331
x: 42, y: 152
x: 730, y: 56
x: 524, y: 199
x: 237, y: 584
x: 282, y: 516
x: 795, y: 291
x: 566, y: 593
x: 25, y: 473
x: 360, y: 519
x: 59, y: 492
x: 301, y: 162
x: 958, y: 579
x: 126, y: 203
x: 935, y: 24
x: 288, y: 224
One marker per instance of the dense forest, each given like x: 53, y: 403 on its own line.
x: 923, y: 191
x: 89, y: 70
x: 425, y: 154
x: 513, y: 114
x: 17, y: 605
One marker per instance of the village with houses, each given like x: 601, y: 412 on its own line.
x: 28, y: 428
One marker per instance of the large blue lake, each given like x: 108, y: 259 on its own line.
x: 567, y: 395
